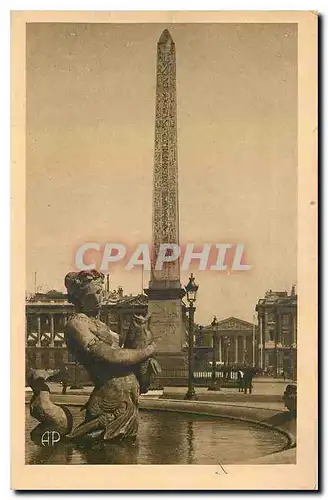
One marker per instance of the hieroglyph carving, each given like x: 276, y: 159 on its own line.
x: 166, y: 324
x: 165, y: 191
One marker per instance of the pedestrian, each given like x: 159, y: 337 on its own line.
x: 240, y: 378
x: 64, y: 384
x: 248, y: 379
x: 64, y: 378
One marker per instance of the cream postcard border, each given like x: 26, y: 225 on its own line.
x: 177, y: 477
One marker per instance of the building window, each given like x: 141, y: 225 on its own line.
x: 71, y: 358
x: 58, y: 359
x: 45, y: 360
x: 271, y: 318
x: 271, y: 334
x: 31, y: 359
x: 286, y: 319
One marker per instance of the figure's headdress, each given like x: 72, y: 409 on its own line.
x: 77, y: 283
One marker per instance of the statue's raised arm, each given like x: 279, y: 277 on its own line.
x: 81, y: 332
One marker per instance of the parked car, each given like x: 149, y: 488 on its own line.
x: 290, y: 398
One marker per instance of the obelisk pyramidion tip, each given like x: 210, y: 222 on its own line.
x: 165, y: 37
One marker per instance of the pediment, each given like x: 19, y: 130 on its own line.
x: 233, y: 323
x: 134, y: 301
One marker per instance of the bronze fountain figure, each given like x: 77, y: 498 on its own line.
x: 119, y: 373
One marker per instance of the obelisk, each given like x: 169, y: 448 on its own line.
x: 164, y: 293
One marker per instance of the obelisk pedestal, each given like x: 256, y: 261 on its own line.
x: 170, y: 333
x: 165, y: 291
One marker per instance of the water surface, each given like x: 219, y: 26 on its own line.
x: 166, y: 438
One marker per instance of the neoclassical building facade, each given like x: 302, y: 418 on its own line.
x: 270, y: 345
x: 277, y: 328
x: 234, y: 340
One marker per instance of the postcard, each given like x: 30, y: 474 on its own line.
x: 164, y: 250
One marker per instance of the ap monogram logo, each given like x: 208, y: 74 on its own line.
x: 50, y: 438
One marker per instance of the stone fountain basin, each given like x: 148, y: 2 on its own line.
x: 188, y: 432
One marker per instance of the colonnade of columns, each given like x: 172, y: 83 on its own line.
x: 227, y: 344
x: 284, y: 335
x: 277, y: 326
x: 52, y: 331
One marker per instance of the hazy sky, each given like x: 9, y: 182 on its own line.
x: 90, y: 141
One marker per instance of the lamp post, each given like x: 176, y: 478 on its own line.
x: 253, y: 342
x: 226, y: 345
x: 246, y: 357
x: 214, y: 385
x: 76, y: 383
x: 191, y: 290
